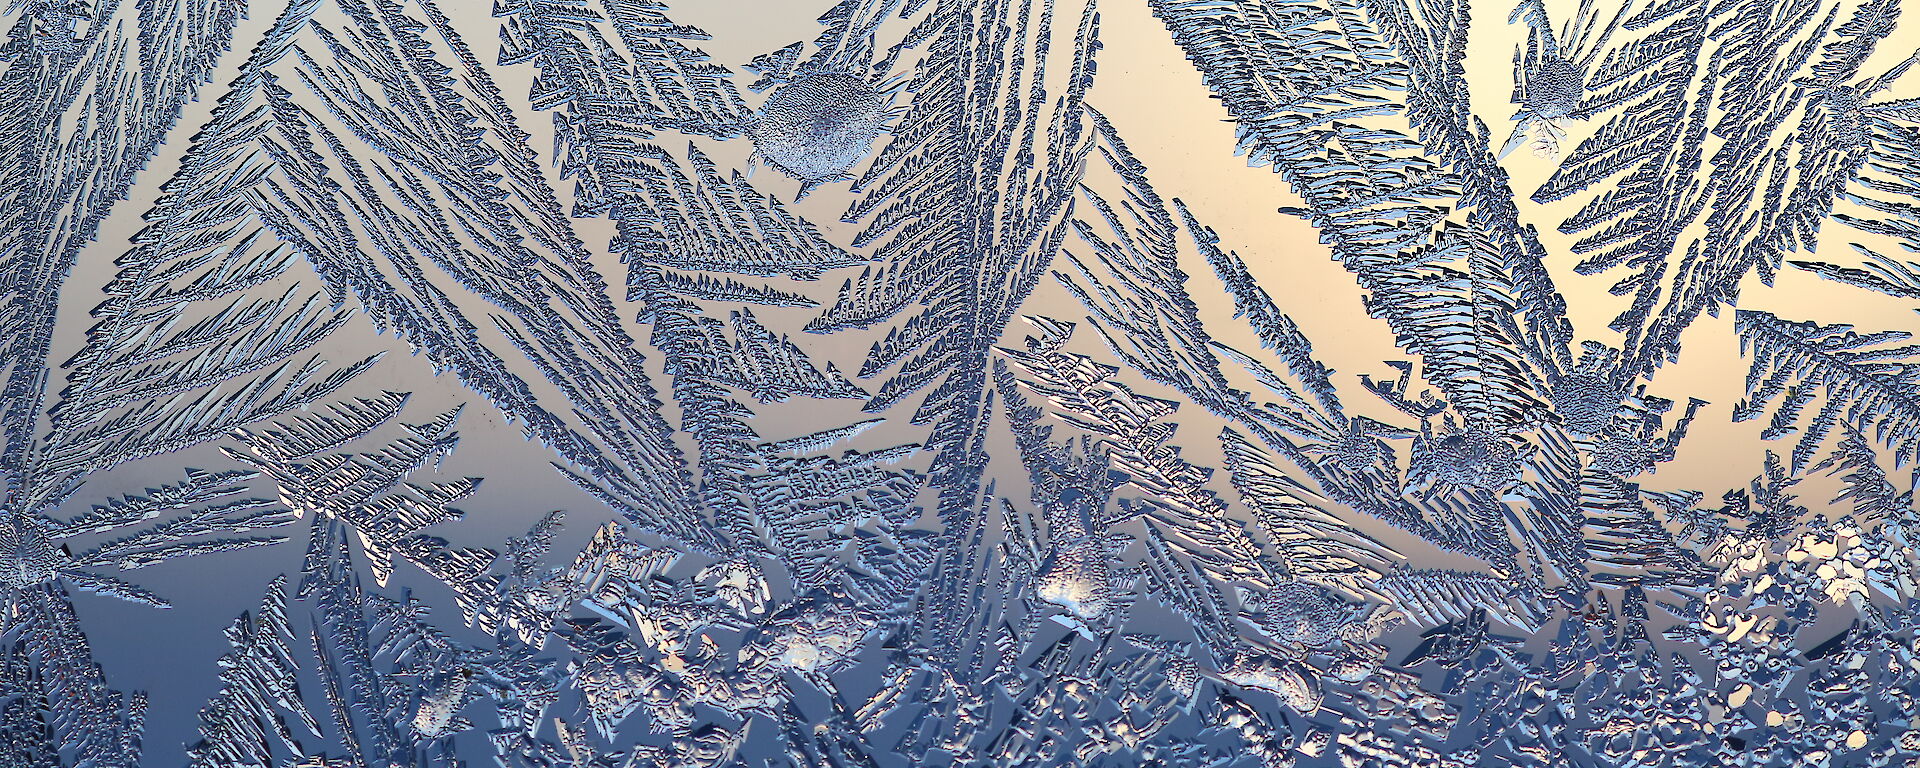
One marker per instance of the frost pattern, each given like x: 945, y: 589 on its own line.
x: 1090, y: 496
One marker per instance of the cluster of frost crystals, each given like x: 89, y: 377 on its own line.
x: 1019, y: 463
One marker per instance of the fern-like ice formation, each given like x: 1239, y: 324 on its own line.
x: 1023, y: 460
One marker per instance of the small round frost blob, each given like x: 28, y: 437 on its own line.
x: 1553, y: 89
x: 1300, y: 612
x: 1466, y: 459
x: 1586, y: 402
x: 1076, y: 578
x: 27, y: 556
x: 818, y: 127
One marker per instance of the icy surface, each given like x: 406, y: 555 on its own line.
x: 567, y: 383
